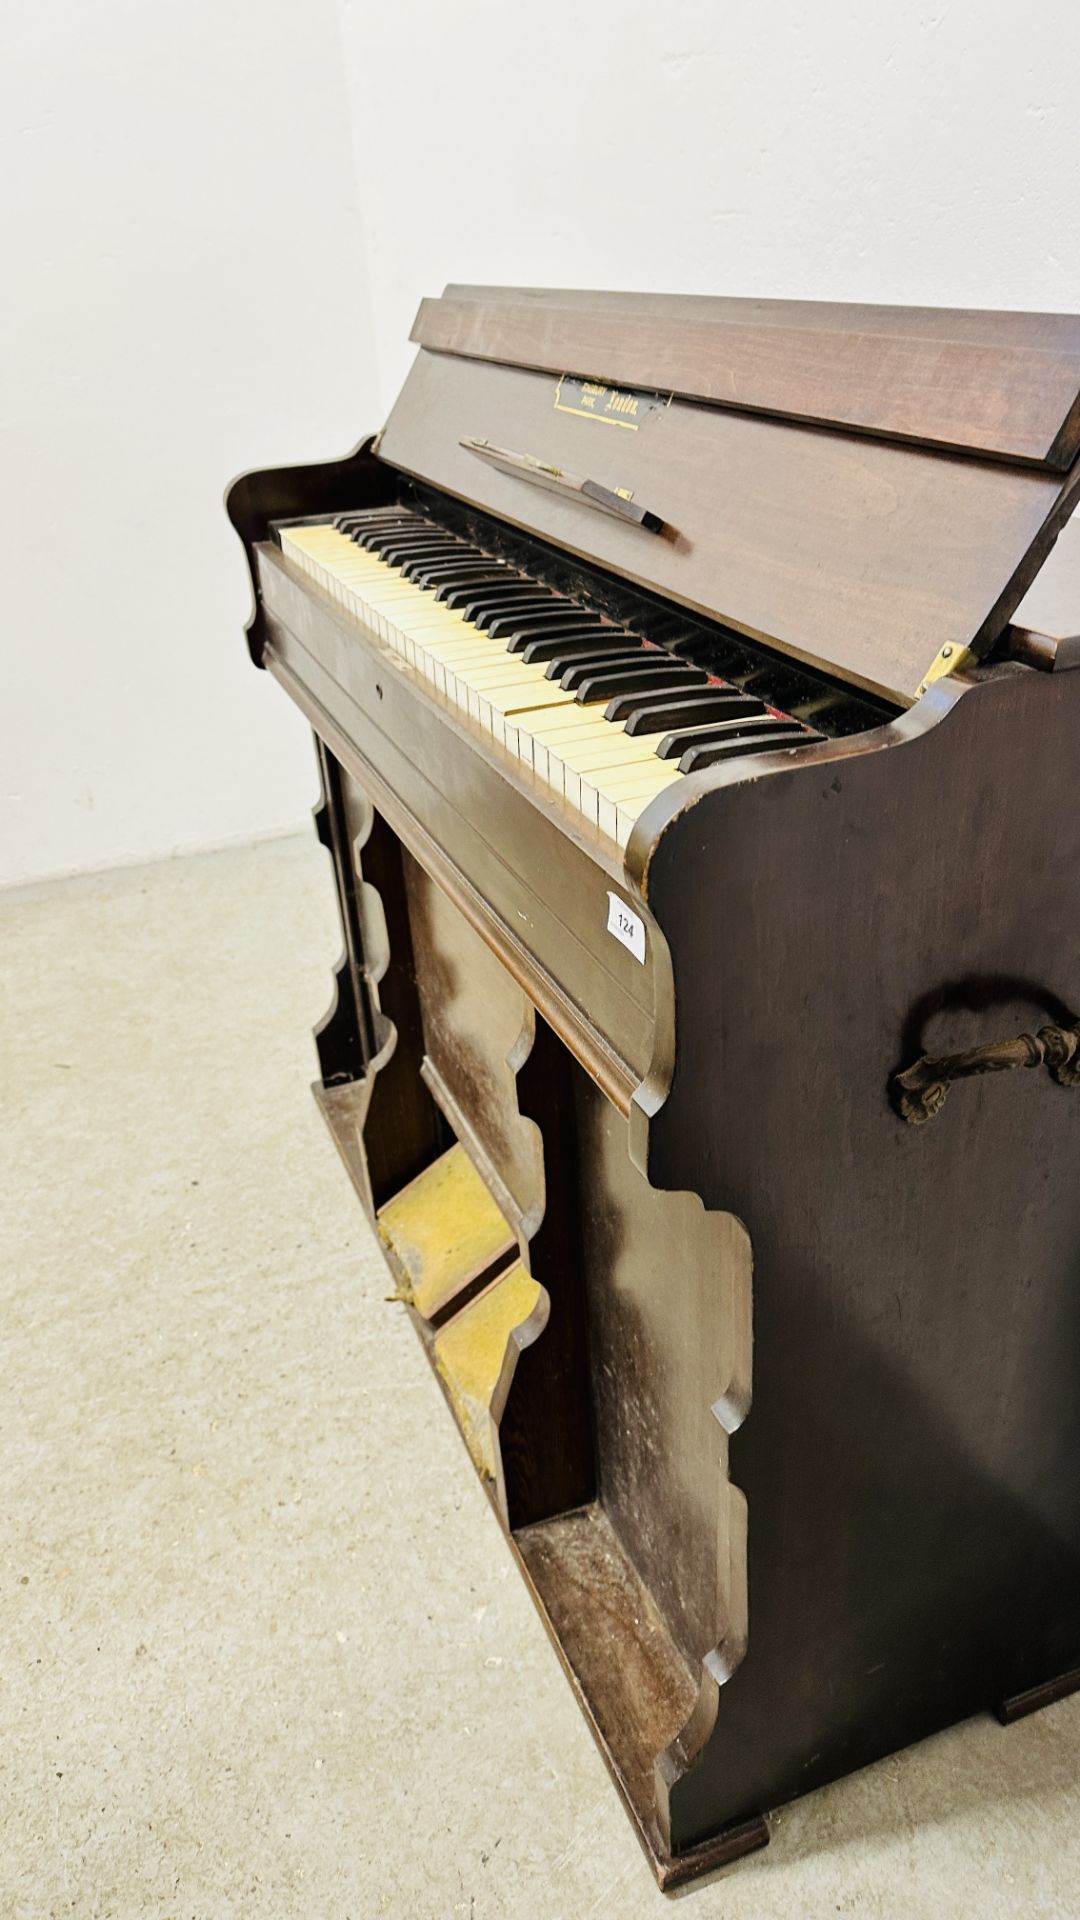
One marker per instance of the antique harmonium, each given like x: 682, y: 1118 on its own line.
x: 693, y: 688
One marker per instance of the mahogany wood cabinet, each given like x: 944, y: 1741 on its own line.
x: 692, y: 686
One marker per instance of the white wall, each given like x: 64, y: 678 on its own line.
x: 886, y: 150
x: 184, y: 297
x: 227, y: 213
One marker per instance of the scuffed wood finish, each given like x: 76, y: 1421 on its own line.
x: 670, y: 1340
x: 911, y: 1462
x: 859, y: 557
x: 477, y: 1031
x: 615, y: 1642
x: 999, y: 384
x: 750, y: 1599
x: 405, y: 1130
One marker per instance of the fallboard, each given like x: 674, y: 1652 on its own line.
x: 864, y: 558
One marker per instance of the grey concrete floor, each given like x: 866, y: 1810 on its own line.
x: 264, y: 1652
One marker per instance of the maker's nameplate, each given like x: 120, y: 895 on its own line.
x: 616, y: 406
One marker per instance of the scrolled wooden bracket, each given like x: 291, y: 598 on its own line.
x: 923, y: 1088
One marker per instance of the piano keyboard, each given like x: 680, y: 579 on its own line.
x: 605, y: 717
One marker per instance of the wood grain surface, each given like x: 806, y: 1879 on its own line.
x: 854, y: 555
x: 1002, y: 384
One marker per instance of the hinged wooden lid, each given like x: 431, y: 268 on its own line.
x: 1004, y: 385
x: 861, y: 487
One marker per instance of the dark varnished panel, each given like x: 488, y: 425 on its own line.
x: 1033, y: 331
x: 477, y: 1032
x: 543, y: 892
x: 857, y: 556
x: 345, y: 1038
x: 546, y: 1434
x: 402, y: 1128
x: 669, y: 1329
x: 911, y: 1461
x: 1002, y: 384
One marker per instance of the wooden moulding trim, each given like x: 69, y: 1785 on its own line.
x: 610, y: 1073
x: 1001, y: 398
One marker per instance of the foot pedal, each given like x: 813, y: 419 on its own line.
x: 445, y: 1235
x: 476, y: 1353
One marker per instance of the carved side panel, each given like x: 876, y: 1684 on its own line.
x: 403, y: 1130
x: 669, y: 1305
x: 910, y: 1463
x: 344, y: 1038
x: 503, y: 1080
x: 477, y: 1029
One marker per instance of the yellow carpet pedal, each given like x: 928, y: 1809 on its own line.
x: 445, y: 1235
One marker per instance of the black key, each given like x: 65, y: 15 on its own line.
x: 482, y: 616
x: 676, y: 706
x: 361, y: 532
x: 445, y: 588
x: 416, y: 567
x: 670, y: 686
x: 587, y: 625
x: 377, y: 517
x: 413, y: 564
x: 569, y: 672
x: 673, y: 683
x: 737, y: 727
x: 448, y: 573
x: 429, y: 575
x: 484, y: 609
x: 432, y: 580
x: 399, y: 553
x: 648, y: 694
x: 400, y: 530
x: 396, y: 555
x: 442, y: 550
x: 567, y: 647
x: 477, y: 564
x: 505, y: 592
x: 562, y: 617
x: 697, y: 757
x: 604, y: 683
x: 407, y: 540
x: 580, y: 629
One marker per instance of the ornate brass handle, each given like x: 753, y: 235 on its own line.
x: 922, y: 1089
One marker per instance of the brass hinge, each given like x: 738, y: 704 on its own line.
x: 951, y: 659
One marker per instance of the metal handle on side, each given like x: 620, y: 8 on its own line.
x: 923, y: 1088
